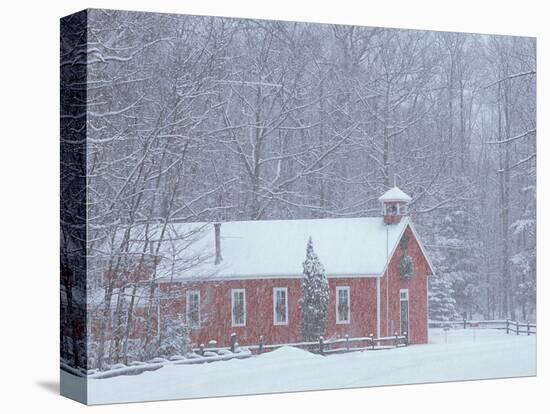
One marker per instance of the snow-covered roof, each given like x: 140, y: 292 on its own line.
x: 395, y: 194
x: 95, y: 298
x: 277, y: 248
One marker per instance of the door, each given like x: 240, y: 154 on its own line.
x: 404, y: 311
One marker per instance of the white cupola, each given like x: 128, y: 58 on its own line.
x: 395, y: 204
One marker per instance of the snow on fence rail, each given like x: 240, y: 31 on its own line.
x: 516, y: 327
x: 213, y: 353
x: 322, y: 346
x: 138, y: 367
x: 521, y: 327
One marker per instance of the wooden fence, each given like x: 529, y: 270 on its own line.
x: 521, y: 327
x: 511, y: 327
x: 322, y: 346
x: 212, y: 353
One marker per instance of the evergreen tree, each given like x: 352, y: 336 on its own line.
x: 441, y: 301
x: 459, y: 264
x: 524, y: 261
x: 314, y: 300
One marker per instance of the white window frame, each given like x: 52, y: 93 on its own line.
x: 124, y: 315
x: 275, y: 290
x: 337, y: 301
x: 188, y: 294
x: 159, y: 325
x: 233, y: 292
x: 403, y: 298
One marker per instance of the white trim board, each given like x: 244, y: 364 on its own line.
x: 430, y: 264
x: 262, y: 277
x: 415, y: 234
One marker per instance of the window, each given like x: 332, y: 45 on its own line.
x: 280, y: 306
x: 342, y: 304
x: 404, y: 311
x: 119, y: 317
x: 238, y: 307
x: 193, y: 312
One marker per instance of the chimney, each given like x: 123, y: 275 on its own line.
x: 217, y: 235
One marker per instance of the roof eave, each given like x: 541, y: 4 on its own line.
x: 422, y: 249
x: 266, y: 277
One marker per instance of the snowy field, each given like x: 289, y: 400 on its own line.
x: 463, y: 355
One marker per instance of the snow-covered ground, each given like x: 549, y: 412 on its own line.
x: 463, y: 355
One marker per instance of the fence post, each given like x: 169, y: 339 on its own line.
x: 517, y: 327
x: 347, y: 342
x: 261, y: 346
x: 507, y: 326
x: 233, y: 341
x: 396, y: 339
x: 406, y: 335
x: 371, y: 340
x: 528, y: 328
x: 464, y: 320
x: 201, y: 349
x: 321, y: 344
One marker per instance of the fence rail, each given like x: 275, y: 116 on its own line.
x: 322, y: 346
x: 511, y: 327
x: 213, y: 353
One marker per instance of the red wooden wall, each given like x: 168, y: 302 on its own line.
x: 215, y: 304
x: 216, y: 310
x: 391, y: 283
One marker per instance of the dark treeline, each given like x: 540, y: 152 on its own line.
x: 211, y: 119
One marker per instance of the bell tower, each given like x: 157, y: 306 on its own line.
x: 395, y: 204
